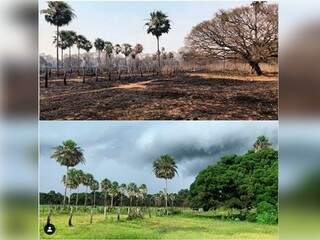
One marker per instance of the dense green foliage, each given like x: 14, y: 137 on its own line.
x: 248, y: 182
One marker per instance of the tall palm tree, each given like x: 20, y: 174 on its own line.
x: 158, y: 24
x: 108, y: 47
x: 122, y: 190
x: 105, y: 186
x: 94, y: 186
x: 131, y: 190
x: 126, y: 50
x: 86, y: 181
x: 58, y: 13
x: 80, y: 42
x: 165, y: 167
x: 99, y: 45
x: 68, y: 154
x: 262, y: 142
x: 142, y: 190
x: 114, y: 191
x: 71, y: 40
x: 62, y: 44
x: 87, y: 47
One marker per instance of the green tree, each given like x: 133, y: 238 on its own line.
x: 157, y: 25
x: 122, y: 191
x: 58, y: 13
x: 113, y: 191
x: 261, y: 143
x: 142, y: 191
x: 105, y: 187
x: 165, y: 167
x: 131, y: 190
x: 68, y: 154
x: 86, y: 181
x: 94, y: 186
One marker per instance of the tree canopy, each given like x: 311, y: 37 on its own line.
x: 238, y: 181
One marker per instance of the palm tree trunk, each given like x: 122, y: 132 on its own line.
x: 77, y: 199
x: 70, y: 58
x: 94, y: 198
x: 111, y: 201
x: 57, y: 50
x: 105, y: 206
x: 65, y: 188
x: 69, y: 200
x: 62, y: 62
x: 85, y: 199
x: 78, y: 61
x: 130, y: 201
x: 167, y: 196
x: 158, y: 53
x: 121, y: 200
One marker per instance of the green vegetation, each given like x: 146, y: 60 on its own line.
x: 222, y: 201
x: 188, y: 224
x: 248, y: 182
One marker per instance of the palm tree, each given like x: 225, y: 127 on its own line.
x: 99, y: 45
x: 122, y: 190
x: 94, y: 186
x: 87, y: 47
x: 73, y: 181
x: 158, y: 24
x: 142, y: 190
x: 262, y: 142
x: 165, y: 167
x: 62, y: 44
x: 71, y: 40
x: 58, y: 14
x: 80, y: 42
x: 68, y: 154
x: 105, y: 187
x: 126, y: 50
x: 86, y: 181
x: 108, y: 47
x: 114, y: 190
x: 131, y: 190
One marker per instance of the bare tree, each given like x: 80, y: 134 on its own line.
x: 249, y: 33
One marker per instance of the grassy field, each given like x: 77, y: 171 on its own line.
x: 184, y: 226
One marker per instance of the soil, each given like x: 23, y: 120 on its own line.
x: 184, y: 97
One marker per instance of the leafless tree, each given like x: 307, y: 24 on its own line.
x: 249, y: 33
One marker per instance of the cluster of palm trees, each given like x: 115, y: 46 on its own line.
x: 70, y: 154
x: 60, y: 14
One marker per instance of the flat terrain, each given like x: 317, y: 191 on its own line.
x: 188, y: 96
x: 167, y: 227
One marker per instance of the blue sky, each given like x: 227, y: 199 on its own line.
x: 122, y: 21
x: 124, y: 151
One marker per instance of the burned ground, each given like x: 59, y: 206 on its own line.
x: 183, y: 97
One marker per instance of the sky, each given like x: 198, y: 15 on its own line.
x: 123, y: 22
x: 124, y: 151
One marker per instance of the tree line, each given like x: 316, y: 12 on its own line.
x: 60, y: 13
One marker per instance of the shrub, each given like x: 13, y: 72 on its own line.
x: 251, y: 215
x: 267, y: 213
x: 135, y: 213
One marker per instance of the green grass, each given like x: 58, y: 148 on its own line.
x: 184, y: 226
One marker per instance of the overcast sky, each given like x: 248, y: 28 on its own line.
x: 124, y: 151
x: 123, y: 22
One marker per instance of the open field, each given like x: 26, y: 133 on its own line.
x: 184, y: 226
x: 187, y: 96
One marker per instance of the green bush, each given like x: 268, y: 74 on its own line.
x: 251, y: 215
x: 267, y: 213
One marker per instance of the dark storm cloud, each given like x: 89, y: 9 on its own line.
x: 122, y: 149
